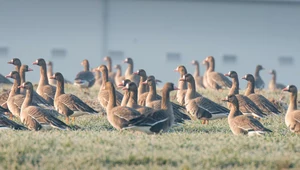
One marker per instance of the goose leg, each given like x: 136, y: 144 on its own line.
x: 206, y: 122
x: 10, y: 116
x: 67, y: 119
x: 73, y: 120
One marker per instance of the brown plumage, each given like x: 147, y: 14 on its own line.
x: 153, y: 99
x: 36, y: 118
x: 44, y: 89
x: 85, y: 79
x: 15, y: 99
x: 50, y: 73
x: 118, y: 77
x: 263, y: 103
x: 68, y: 104
x: 247, y: 106
x: 143, y: 89
x: 198, y: 78
x: 259, y: 83
x: 200, y: 107
x: 103, y: 94
x: 180, y: 95
x: 126, y: 93
x: 292, y: 116
x: 111, y: 74
x: 214, y: 79
x: 273, y: 85
x: 129, y: 72
x: 122, y: 117
x: 241, y: 124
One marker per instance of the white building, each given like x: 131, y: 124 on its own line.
x: 67, y: 31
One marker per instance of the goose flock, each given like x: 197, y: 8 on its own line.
x: 138, y: 106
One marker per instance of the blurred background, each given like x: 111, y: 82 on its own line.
x: 158, y: 34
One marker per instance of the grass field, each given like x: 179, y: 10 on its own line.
x: 190, y: 146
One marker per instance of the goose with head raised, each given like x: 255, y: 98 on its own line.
x: 180, y: 95
x: 241, y: 124
x: 199, y: 107
x: 36, y: 118
x: 129, y: 72
x: 263, y: 103
x: 198, y: 78
x: 214, y: 79
x: 259, y: 83
x: 85, y: 79
x: 118, y: 77
x: 44, y: 89
x: 273, y: 85
x: 68, y: 104
x: 247, y: 106
x: 292, y: 116
x: 111, y: 74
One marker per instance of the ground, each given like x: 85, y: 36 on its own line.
x: 190, y: 146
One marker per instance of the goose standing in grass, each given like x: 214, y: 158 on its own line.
x: 199, y: 107
x: 129, y: 72
x: 122, y: 117
x: 15, y: 99
x: 44, y: 89
x: 68, y: 104
x: 103, y: 94
x: 247, y: 106
x: 126, y: 93
x: 118, y: 77
x: 5, y: 123
x: 153, y: 99
x: 292, y: 116
x: 198, y: 78
x: 36, y: 118
x: 264, y: 104
x: 259, y: 83
x: 143, y: 89
x: 85, y: 79
x: 181, y: 85
x: 273, y: 85
x: 214, y: 79
x: 241, y: 124
x: 111, y: 74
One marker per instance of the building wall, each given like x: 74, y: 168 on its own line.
x: 257, y: 33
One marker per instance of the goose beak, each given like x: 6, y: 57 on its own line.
x: 145, y: 82
x: 285, y: 89
x: 181, y: 79
x: 21, y: 86
x: 35, y: 63
x: 244, y: 77
x: 176, y: 88
x: 51, y: 77
x: 226, y: 74
x: 135, y: 73
x: 125, y: 88
x: 29, y: 69
x: 121, y: 85
x: 225, y: 100
x: 8, y: 76
x: 10, y: 62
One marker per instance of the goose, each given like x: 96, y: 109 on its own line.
x: 273, y: 85
x: 247, y: 106
x: 126, y: 94
x: 197, y: 77
x: 292, y: 116
x: 205, y: 83
x: 44, y: 89
x: 181, y: 85
x: 153, y: 101
x: 36, y: 118
x: 85, y: 79
x: 111, y: 74
x: 15, y: 98
x: 264, y: 104
x: 118, y: 77
x: 241, y: 124
x: 122, y: 117
x: 214, y: 79
x: 199, y: 107
x: 143, y: 88
x: 68, y: 104
x: 103, y: 94
x: 129, y: 72
x: 259, y: 83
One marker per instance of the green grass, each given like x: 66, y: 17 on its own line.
x: 191, y: 146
